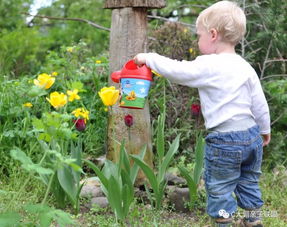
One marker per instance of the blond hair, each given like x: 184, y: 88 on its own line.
x: 227, y: 18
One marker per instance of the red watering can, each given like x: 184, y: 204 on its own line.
x: 134, y: 83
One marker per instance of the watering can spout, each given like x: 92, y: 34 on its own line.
x: 116, y: 76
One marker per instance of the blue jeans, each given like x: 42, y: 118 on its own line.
x: 233, y: 164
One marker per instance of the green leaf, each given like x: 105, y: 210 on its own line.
x: 21, y: 156
x: 126, y: 180
x: 160, y: 137
x: 45, y: 137
x: 159, y: 195
x: 76, y: 85
x: 135, y: 167
x: 47, y: 215
x: 75, y: 167
x: 9, y: 133
x: 38, y: 124
x: 3, y: 192
x: 62, y: 218
x: 126, y: 199
x: 59, y: 192
x: 192, y: 186
x: 39, y: 169
x: 45, y: 219
x: 199, y: 158
x: 172, y: 150
x: 67, y: 182
x: 111, y: 169
x: 124, y: 159
x: 27, y: 163
x: 36, y: 91
x: 76, y: 152
x: 115, y: 196
x: 148, y: 172
x: 9, y: 219
x: 101, y: 176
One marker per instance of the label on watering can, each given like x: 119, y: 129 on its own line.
x: 134, y: 92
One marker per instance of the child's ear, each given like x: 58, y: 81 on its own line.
x: 214, y: 34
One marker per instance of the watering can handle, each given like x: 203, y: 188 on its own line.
x: 116, y: 76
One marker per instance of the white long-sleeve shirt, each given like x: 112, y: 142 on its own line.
x: 229, y: 88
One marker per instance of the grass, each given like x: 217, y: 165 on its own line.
x: 273, y: 185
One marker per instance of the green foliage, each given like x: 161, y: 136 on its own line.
x: 70, y: 32
x: 45, y: 216
x: 117, y: 180
x: 21, y: 126
x: 157, y: 180
x: 22, y: 51
x: 193, y: 182
x: 44, y: 46
x: 10, y: 16
x: 174, y: 41
x: 27, y: 163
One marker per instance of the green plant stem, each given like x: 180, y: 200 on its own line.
x: 48, y: 189
x: 129, y: 136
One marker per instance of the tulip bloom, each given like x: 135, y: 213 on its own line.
x: 109, y: 95
x: 81, y: 112
x: 70, y: 49
x: 28, y: 104
x: 44, y: 81
x: 54, y: 74
x: 80, y: 124
x: 57, y: 99
x: 129, y: 120
x: 195, y: 110
x: 73, y: 95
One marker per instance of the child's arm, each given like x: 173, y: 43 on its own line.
x: 266, y: 139
x: 140, y: 59
x: 260, y: 110
x: 188, y: 73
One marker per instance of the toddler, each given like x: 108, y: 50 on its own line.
x: 234, y: 108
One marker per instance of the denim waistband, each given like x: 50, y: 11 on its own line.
x: 239, y: 125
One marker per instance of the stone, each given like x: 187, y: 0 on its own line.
x: 174, y: 180
x: 141, y: 196
x: 91, y: 188
x: 100, y: 161
x: 91, y: 191
x: 178, y: 197
x: 102, y: 202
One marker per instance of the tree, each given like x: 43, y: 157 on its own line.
x: 129, y: 37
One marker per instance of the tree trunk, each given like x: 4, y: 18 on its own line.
x: 128, y: 37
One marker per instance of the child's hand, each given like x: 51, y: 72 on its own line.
x: 266, y: 139
x: 140, y: 59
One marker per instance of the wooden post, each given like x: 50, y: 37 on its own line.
x: 127, y: 38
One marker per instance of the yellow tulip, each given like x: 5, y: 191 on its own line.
x: 28, y: 104
x: 44, y: 81
x: 55, y: 74
x: 81, y: 112
x: 57, y: 99
x: 109, y: 95
x: 70, y: 49
x: 73, y: 95
x: 77, y: 112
